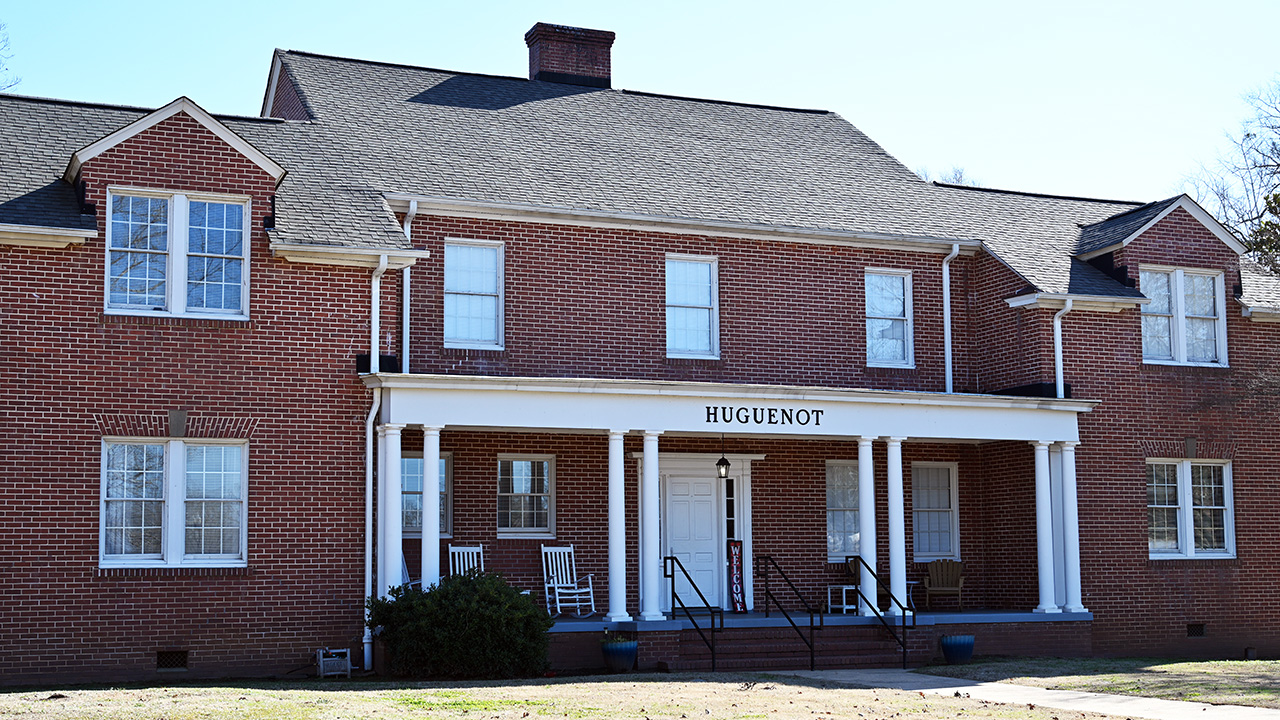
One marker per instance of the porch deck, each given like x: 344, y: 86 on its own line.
x: 757, y: 619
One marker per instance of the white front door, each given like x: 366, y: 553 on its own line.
x: 691, y: 533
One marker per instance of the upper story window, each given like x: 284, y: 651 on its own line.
x: 473, y: 294
x: 173, y: 503
x: 177, y: 254
x: 1185, y: 322
x: 693, y: 307
x: 1189, y: 511
x: 889, y: 331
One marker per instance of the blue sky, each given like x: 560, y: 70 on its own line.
x: 1105, y: 99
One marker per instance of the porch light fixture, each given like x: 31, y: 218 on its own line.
x: 722, y: 465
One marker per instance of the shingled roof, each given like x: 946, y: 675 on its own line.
x: 380, y: 129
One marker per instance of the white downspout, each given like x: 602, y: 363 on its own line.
x: 404, y: 319
x: 946, y: 312
x: 375, y: 310
x: 368, y: 522
x: 1057, y: 346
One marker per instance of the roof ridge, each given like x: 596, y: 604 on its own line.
x: 405, y: 66
x: 810, y: 111
x: 1042, y: 195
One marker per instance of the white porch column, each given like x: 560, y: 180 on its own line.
x: 430, y: 506
x: 867, y: 520
x: 1044, y: 531
x: 897, y: 526
x: 391, y: 551
x: 617, y: 530
x: 651, y: 562
x: 1071, y: 528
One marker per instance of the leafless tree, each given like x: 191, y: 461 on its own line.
x: 7, y: 78
x: 955, y: 176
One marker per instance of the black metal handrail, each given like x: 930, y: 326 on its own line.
x: 669, y: 565
x: 763, y: 563
x: 903, y: 610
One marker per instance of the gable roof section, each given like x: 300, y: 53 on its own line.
x: 150, y: 120
x: 1118, y: 231
x: 1261, y: 292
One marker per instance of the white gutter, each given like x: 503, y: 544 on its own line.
x: 375, y: 310
x: 1057, y: 346
x: 946, y: 312
x: 404, y: 319
x: 368, y: 522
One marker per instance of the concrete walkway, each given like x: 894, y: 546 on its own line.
x: 1121, y: 705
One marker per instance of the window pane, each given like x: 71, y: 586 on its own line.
x: 933, y: 513
x: 1162, y: 507
x: 411, y: 498
x: 1156, y: 338
x: 689, y: 283
x: 688, y: 330
x: 886, y: 340
x: 886, y: 296
x: 1202, y: 340
x: 1155, y: 285
x: 524, y: 499
x: 470, y: 269
x: 1200, y: 297
x: 134, y: 519
x: 842, y: 510
x: 213, y: 503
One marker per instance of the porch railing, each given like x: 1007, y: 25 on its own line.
x: 670, y: 564
x: 765, y: 568
x: 903, y: 610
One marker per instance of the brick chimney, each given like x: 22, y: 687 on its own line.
x: 563, y: 54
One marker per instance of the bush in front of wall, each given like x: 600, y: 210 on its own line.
x: 468, y: 626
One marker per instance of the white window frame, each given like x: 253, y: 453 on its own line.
x: 855, y: 509
x: 954, y: 469
x: 516, y: 533
x: 1178, y: 325
x: 173, y: 533
x: 177, y: 254
x: 1186, y: 513
x: 446, y: 500
x: 714, y: 308
x: 501, y: 284
x: 908, y: 315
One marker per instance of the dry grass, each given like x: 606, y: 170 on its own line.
x: 653, y: 697
x: 1220, y: 682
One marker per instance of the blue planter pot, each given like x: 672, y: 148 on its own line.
x: 620, y: 656
x: 957, y: 649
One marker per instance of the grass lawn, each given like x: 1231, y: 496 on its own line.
x: 722, y: 695
x: 1220, y: 682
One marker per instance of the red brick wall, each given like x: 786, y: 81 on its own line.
x: 285, y: 379
x: 287, y: 102
x: 1011, y: 346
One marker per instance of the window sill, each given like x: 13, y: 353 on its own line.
x: 105, y: 571
x: 1191, y: 558
x: 167, y: 314
x: 1175, y: 363
x: 925, y: 560
x: 467, y: 346
x: 526, y: 536
x: 691, y: 356
x: 110, y: 317
x: 879, y: 366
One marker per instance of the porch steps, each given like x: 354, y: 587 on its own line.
x: 781, y: 648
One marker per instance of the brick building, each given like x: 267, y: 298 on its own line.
x: 232, y: 346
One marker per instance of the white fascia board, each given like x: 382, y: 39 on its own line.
x: 397, y: 259
x: 150, y: 120
x: 516, y: 212
x: 1093, y: 303
x: 1259, y: 313
x: 45, y: 237
x: 700, y: 409
x: 1197, y: 212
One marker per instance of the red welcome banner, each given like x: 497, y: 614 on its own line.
x: 736, y: 590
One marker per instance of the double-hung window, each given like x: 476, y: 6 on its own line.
x: 177, y: 254
x: 412, y: 483
x: 173, y: 503
x: 473, y: 313
x: 889, y: 331
x: 1185, y: 322
x: 842, y: 510
x: 525, y: 495
x: 934, y: 520
x: 1189, y: 512
x: 693, y: 307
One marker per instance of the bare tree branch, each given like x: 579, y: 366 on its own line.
x: 7, y: 78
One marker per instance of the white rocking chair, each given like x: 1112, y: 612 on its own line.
x: 465, y: 558
x: 562, y: 584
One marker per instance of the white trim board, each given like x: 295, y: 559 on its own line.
x: 150, y: 120
x: 44, y: 237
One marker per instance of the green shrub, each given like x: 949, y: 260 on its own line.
x: 468, y: 626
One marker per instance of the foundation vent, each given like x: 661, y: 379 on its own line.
x: 1195, y: 629
x: 171, y: 660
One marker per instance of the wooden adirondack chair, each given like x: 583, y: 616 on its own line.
x: 563, y: 586
x: 465, y: 558
x: 946, y: 577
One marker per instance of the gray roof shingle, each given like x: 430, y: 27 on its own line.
x: 1114, y: 230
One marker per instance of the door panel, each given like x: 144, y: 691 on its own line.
x: 693, y: 537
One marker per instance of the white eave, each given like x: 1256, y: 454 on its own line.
x: 44, y: 237
x: 1259, y: 313
x: 348, y: 256
x: 146, y: 122
x: 1197, y: 212
x: 1056, y: 301
x: 483, y: 210
x: 716, y: 390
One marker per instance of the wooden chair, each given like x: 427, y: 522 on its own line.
x: 466, y: 558
x: 946, y: 577
x: 563, y: 586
